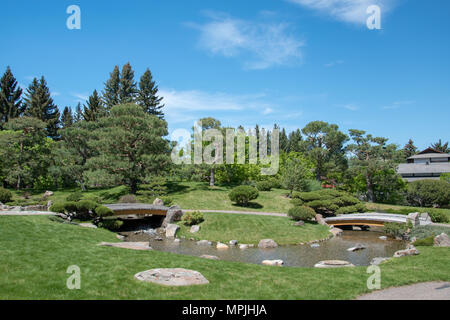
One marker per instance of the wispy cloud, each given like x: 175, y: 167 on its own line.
x: 268, y: 111
x: 398, y: 104
x: 353, y: 11
x: 333, y: 63
x: 262, y: 45
x: 351, y: 107
x: 80, y: 97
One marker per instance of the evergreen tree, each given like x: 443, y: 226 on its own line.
x: 439, y: 146
x: 10, y: 103
x: 94, y: 108
x: 284, y: 141
x: 78, y: 113
x: 409, y: 149
x: 295, y: 139
x: 147, y: 96
x: 127, y: 90
x: 67, y: 118
x: 112, y: 88
x: 39, y: 104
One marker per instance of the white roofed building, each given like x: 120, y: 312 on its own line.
x: 428, y: 164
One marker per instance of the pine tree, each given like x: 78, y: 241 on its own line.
x: 295, y: 138
x: 147, y: 95
x: 112, y: 88
x: 66, y: 118
x: 128, y: 90
x: 10, y: 103
x: 39, y: 104
x: 94, y: 108
x: 439, y: 146
x: 409, y: 149
x: 284, y: 141
x: 78, y: 113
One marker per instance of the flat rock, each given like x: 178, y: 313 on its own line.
x: 299, y: 223
x: 195, y: 228
x: 336, y: 231
x: 177, y: 240
x: 356, y: 248
x: 267, y: 243
x: 127, y: 245
x: 410, y: 251
x: 88, y: 225
x: 172, y: 277
x: 333, y: 264
x: 207, y: 256
x: 47, y: 194
x: 273, y: 262
x: 171, y: 230
x: 377, y: 260
x: 315, y: 245
x: 243, y: 246
x: 442, y: 240
x: 204, y: 243
x: 221, y: 246
x: 382, y: 238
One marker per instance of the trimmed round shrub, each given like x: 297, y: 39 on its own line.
x: 296, y: 202
x: 111, y: 224
x: 357, y: 208
x: 242, y: 195
x: 191, y: 218
x: 303, y: 213
x: 58, y: 208
x: 84, y: 207
x: 129, y: 198
x: 5, y: 195
x: 76, y: 196
x: 426, y: 242
x: 427, y: 193
x: 263, y: 185
x: 102, y: 211
x: 70, y: 206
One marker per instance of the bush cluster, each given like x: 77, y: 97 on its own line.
x: 5, y: 195
x: 395, y: 229
x: 428, y: 193
x: 76, y: 196
x: 328, y: 202
x: 303, y: 213
x: 111, y: 224
x: 81, y: 209
x: 242, y: 195
x: 192, y: 218
x: 263, y: 185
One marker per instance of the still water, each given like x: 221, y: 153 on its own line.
x: 292, y: 255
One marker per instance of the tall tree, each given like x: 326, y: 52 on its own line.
x: 439, y: 146
x: 148, y: 97
x: 409, y: 149
x: 325, y: 146
x: 284, y: 141
x: 78, y: 113
x: 295, y: 139
x: 210, y: 123
x: 94, y: 108
x: 39, y: 104
x: 128, y: 87
x: 67, y: 118
x: 10, y: 103
x: 112, y: 88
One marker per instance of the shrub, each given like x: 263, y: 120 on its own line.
x: 191, y: 218
x: 427, y: 193
x: 102, y: 211
x: 168, y: 201
x: 303, y: 213
x: 5, y: 195
x: 84, y: 207
x: 429, y: 241
x: 422, y: 232
x: 438, y: 216
x: 58, y: 208
x: 296, y: 202
x: 129, y: 198
x: 445, y: 177
x: 263, y: 185
x: 111, y: 224
x: 70, y: 206
x: 76, y: 196
x: 395, y: 229
x: 313, y: 185
x: 242, y: 195
x: 274, y: 182
x: 357, y: 208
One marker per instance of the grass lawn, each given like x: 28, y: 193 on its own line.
x: 36, y: 252
x: 251, y: 228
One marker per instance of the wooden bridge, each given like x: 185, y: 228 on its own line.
x: 366, y: 219
x: 137, y: 210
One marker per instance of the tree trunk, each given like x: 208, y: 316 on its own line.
x: 133, y: 187
x: 211, y: 178
x: 370, y: 194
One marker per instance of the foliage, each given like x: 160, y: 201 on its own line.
x: 192, y: 217
x: 114, y: 194
x: 10, y: 103
x: 147, y: 96
x: 395, y: 229
x: 102, y: 211
x: 445, y: 177
x: 303, y: 213
x: 330, y: 201
x: 263, y: 185
x: 429, y: 241
x: 76, y: 196
x: 153, y: 186
x: 129, y: 198
x: 58, y: 207
x: 295, y: 174
x: 313, y: 185
x: 168, y: 201
x: 242, y: 195
x: 111, y: 224
x: 85, y: 207
x: 440, y: 146
x: 5, y: 195
x: 422, y: 232
x: 427, y: 193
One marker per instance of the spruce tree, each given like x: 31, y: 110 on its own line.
x: 67, y: 118
x: 409, y: 149
x: 78, y: 113
x: 284, y: 141
x: 39, y: 104
x: 94, y: 108
x: 10, y: 103
x: 112, y: 88
x: 147, y: 96
x: 128, y: 90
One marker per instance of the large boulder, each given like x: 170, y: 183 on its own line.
x: 267, y: 243
x: 172, y: 277
x: 425, y: 219
x: 320, y: 220
x: 47, y: 194
x: 414, y: 218
x: 273, y: 262
x: 195, y: 228
x: 410, y: 251
x: 158, y: 202
x: 442, y: 240
x: 173, y: 214
x: 171, y: 230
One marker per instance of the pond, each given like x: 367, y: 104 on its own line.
x: 292, y: 255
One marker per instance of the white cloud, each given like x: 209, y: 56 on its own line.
x: 263, y: 44
x: 353, y: 11
x: 398, y: 104
x: 80, y: 97
x: 268, y: 111
x: 333, y: 63
x: 351, y: 107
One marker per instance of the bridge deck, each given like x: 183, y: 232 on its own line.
x: 370, y: 219
x: 123, y: 209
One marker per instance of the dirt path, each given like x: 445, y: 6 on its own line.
x: 26, y: 213
x: 418, y: 291
x: 257, y: 213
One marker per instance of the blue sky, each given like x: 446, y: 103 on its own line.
x: 245, y: 62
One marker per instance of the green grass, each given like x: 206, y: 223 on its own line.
x: 36, y: 252
x: 251, y: 229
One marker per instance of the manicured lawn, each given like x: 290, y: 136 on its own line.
x: 36, y: 252
x: 251, y: 228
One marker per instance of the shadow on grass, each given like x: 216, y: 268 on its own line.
x: 252, y: 205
